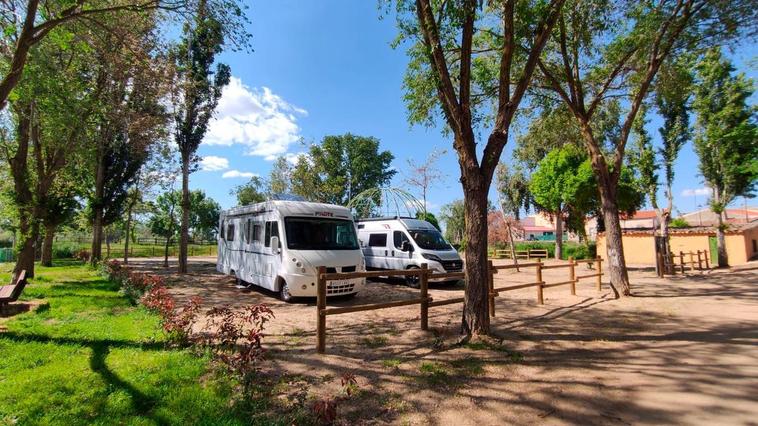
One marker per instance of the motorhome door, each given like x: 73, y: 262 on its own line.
x: 272, y: 259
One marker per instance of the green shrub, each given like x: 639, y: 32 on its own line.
x: 580, y: 251
x: 679, y: 223
x: 570, y: 248
x: 540, y: 245
x: 65, y: 251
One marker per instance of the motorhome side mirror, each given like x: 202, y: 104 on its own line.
x: 407, y: 246
x: 275, y: 244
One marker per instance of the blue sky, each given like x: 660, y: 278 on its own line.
x: 322, y: 67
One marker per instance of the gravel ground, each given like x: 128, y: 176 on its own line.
x: 682, y: 351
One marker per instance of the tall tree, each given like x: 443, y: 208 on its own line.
x: 165, y: 219
x: 602, y: 50
x: 424, y: 175
x: 672, y: 94
x: 55, y: 100
x: 473, y: 64
x: 199, y: 90
x: 726, y: 138
x: 454, y: 217
x: 250, y: 193
x: 341, y: 167
x: 280, y: 180
x: 132, y: 83
x: 513, y: 196
x: 166, y: 215
x: 26, y: 23
x: 560, y: 186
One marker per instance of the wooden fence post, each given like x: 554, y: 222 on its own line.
x: 572, y: 275
x: 424, y: 286
x: 320, y: 306
x: 491, y: 278
x: 538, y: 268
x: 707, y: 256
x: 681, y: 260
x: 672, y: 263
x: 699, y: 261
x: 599, y: 261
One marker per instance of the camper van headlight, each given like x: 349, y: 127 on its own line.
x: 430, y: 256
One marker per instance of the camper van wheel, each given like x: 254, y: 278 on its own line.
x: 238, y: 281
x: 412, y: 280
x: 284, y: 292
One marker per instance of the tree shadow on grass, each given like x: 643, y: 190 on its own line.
x: 142, y: 403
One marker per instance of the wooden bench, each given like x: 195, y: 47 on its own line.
x: 11, y: 293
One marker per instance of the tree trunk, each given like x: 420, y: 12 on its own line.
x: 107, y: 244
x: 96, y: 252
x: 23, y: 197
x: 21, y: 51
x: 47, y: 245
x: 184, y: 232
x: 512, y: 244
x: 476, y: 319
x: 165, y: 253
x: 616, y: 264
x: 97, y: 223
x: 721, y: 242
x: 558, y: 235
x: 25, y: 247
x: 128, y: 233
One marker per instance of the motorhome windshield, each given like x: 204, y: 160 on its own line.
x: 429, y: 239
x: 305, y: 233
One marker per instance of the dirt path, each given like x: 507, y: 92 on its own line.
x: 683, y: 351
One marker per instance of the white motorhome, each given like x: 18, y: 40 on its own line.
x: 279, y: 245
x: 405, y: 243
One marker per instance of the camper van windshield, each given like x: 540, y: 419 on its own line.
x: 429, y: 239
x: 305, y: 233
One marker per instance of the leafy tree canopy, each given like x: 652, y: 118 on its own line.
x: 341, y: 167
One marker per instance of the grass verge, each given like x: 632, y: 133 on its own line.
x: 90, y: 357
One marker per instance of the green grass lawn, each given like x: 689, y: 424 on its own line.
x: 89, y: 357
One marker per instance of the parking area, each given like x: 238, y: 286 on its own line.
x: 681, y: 352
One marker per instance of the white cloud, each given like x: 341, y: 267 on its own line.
x: 260, y: 120
x: 696, y: 192
x: 231, y: 174
x: 212, y: 163
x: 293, y: 157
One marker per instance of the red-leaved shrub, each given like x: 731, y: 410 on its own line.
x: 234, y: 337
x: 82, y: 255
x: 176, y: 323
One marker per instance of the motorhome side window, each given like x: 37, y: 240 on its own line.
x: 246, y: 231
x: 377, y: 240
x: 257, y: 233
x: 400, y: 238
x: 272, y: 230
x: 230, y: 232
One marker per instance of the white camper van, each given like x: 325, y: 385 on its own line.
x: 405, y: 243
x: 279, y: 245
